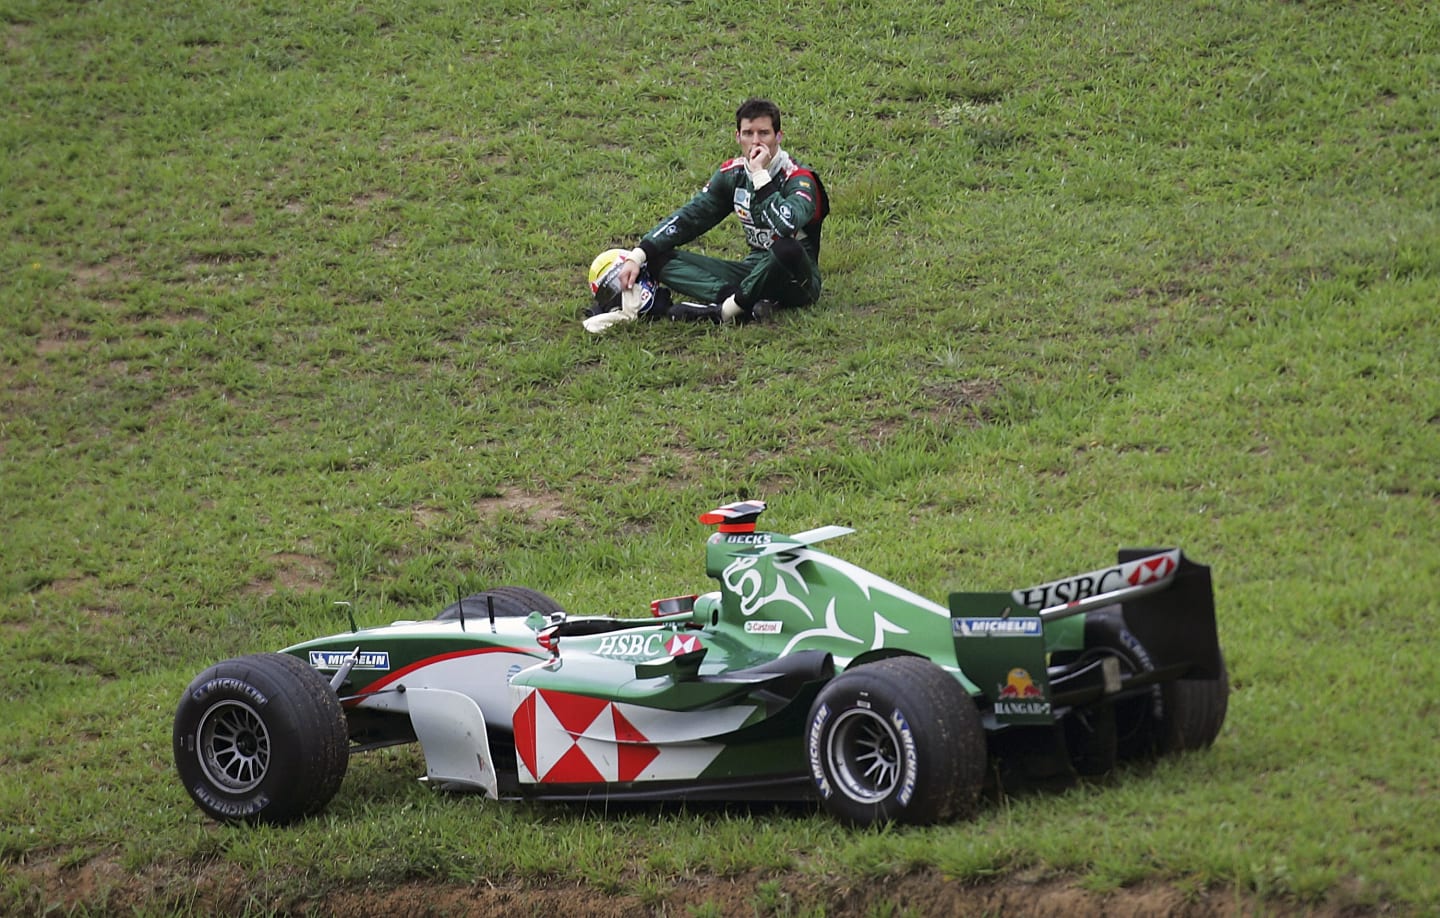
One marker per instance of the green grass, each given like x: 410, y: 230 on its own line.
x: 289, y: 317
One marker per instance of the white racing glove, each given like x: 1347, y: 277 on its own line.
x: 759, y: 178
x: 629, y: 311
x: 597, y: 324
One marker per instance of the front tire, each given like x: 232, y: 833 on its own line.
x: 260, y: 739
x: 898, y: 740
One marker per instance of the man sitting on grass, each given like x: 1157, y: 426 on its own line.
x: 780, y: 203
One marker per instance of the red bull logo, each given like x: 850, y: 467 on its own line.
x: 1019, y: 685
x: 1020, y: 696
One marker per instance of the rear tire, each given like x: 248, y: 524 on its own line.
x: 1169, y: 718
x: 898, y: 740
x: 1194, y: 713
x: 509, y: 602
x: 260, y: 739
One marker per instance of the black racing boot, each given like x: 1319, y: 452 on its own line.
x: 695, y: 312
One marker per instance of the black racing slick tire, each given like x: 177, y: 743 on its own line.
x: 898, y: 740
x: 1194, y: 713
x: 508, y: 602
x: 1168, y: 718
x: 261, y: 739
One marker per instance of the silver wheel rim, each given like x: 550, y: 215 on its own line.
x: 234, y: 746
x: 864, y: 750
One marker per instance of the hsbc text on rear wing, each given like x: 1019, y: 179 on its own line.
x: 1097, y: 589
x: 1167, y: 600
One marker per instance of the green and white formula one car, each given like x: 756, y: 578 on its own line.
x: 801, y: 676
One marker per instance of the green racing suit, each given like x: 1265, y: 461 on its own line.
x: 782, y: 224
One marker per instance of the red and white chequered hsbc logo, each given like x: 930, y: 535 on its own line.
x: 565, y: 738
x: 1152, y: 569
x: 683, y: 643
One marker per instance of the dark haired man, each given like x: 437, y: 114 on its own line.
x: 780, y: 203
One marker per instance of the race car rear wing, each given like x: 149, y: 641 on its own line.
x: 1167, y: 600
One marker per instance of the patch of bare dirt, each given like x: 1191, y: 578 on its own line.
x: 59, y: 339
x: 292, y: 571
x: 224, y: 890
x: 539, y: 508
x: 964, y: 402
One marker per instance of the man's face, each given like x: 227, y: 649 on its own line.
x: 758, y: 132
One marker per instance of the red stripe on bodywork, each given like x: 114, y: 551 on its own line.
x: 524, y: 723
x: 385, y: 681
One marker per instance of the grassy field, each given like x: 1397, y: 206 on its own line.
x: 288, y: 316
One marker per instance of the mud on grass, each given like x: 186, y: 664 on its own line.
x: 103, y: 886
